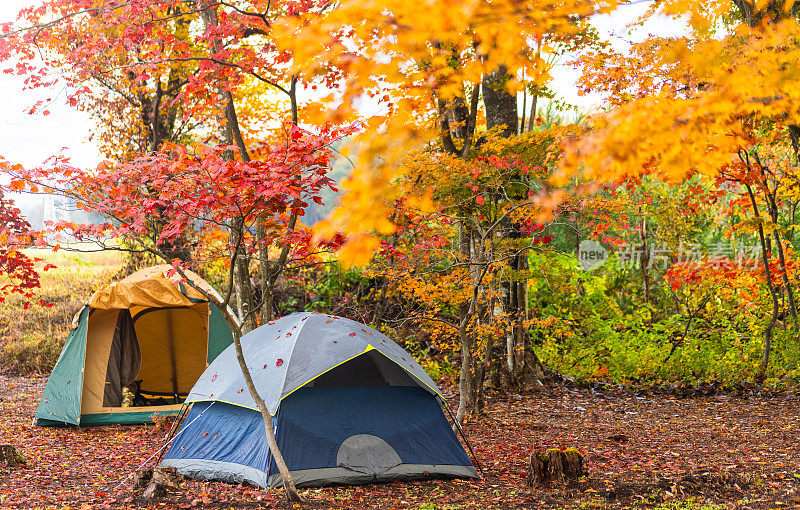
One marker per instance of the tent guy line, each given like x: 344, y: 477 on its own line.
x: 151, y: 457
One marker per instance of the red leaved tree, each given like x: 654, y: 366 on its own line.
x: 18, y: 276
x: 199, y: 110
x: 199, y: 189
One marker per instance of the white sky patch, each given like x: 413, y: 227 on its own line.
x: 31, y: 139
x: 613, y: 28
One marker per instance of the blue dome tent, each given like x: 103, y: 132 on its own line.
x: 349, y: 406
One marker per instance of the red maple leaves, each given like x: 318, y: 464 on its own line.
x: 195, y: 188
x: 18, y: 274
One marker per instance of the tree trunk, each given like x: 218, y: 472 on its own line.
x: 277, y: 268
x: 288, y: 483
x: 645, y: 261
x: 520, y: 329
x: 534, y: 92
x: 555, y: 466
x: 10, y: 457
x: 263, y: 275
x: 771, y: 11
x: 160, y: 131
x: 762, y: 369
x: 466, y: 389
x: 501, y: 106
x: 230, y: 135
x: 271, y: 272
x: 787, y: 284
x: 241, y: 278
x: 158, y: 481
x: 537, y: 471
x: 480, y: 376
x: 773, y: 212
x: 501, y: 110
x: 794, y: 138
x: 511, y: 334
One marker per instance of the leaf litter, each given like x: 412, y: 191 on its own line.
x: 642, y: 451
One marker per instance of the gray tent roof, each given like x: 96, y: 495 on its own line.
x: 294, y: 350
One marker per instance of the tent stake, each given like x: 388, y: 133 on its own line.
x: 464, y: 437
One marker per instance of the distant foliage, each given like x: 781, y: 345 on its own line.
x: 587, y: 329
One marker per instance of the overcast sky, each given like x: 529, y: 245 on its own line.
x: 30, y: 139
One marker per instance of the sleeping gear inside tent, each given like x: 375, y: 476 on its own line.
x: 349, y: 406
x: 135, y: 350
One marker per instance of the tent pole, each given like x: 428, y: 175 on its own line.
x: 172, y: 355
x: 464, y: 437
x: 174, y: 429
x: 160, y: 450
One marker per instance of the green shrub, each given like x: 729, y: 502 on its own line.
x: 594, y: 326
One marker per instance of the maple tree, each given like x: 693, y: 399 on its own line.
x: 154, y: 73
x: 469, y: 211
x: 166, y: 79
x: 426, y: 74
x: 457, y: 264
x: 696, y: 88
x: 17, y: 270
x: 767, y: 176
x: 197, y: 189
x: 688, y: 104
x: 144, y: 58
x: 429, y: 92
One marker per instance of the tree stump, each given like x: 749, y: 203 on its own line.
x: 538, y: 469
x: 573, y: 464
x: 555, y: 465
x: 161, y: 479
x: 142, y: 478
x: 10, y: 457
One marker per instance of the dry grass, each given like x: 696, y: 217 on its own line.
x: 30, y: 340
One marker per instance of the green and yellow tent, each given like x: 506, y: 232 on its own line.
x: 148, y: 331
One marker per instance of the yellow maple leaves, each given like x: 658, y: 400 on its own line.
x: 416, y: 54
x: 745, y: 75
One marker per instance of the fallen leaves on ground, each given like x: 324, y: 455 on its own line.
x: 641, y: 451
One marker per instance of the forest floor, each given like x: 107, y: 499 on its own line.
x: 643, y: 451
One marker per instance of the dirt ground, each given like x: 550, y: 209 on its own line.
x: 644, y: 451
